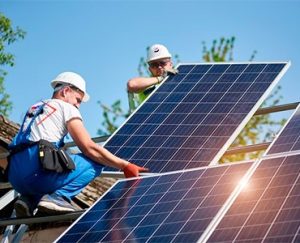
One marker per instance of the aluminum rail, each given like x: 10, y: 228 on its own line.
x: 247, y: 148
x: 261, y: 111
x: 96, y: 140
x: 41, y: 219
x: 277, y: 108
x: 242, y: 149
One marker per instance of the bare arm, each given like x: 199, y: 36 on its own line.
x: 139, y: 84
x: 92, y: 150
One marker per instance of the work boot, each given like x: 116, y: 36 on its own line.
x: 54, y: 204
x: 24, y: 207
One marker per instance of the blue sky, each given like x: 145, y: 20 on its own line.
x: 104, y: 40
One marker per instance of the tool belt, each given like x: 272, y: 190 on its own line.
x: 51, y: 158
x: 54, y: 159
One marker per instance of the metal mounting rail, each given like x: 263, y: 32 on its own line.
x: 7, y: 198
x: 247, y: 148
x: 96, y: 140
x: 261, y: 111
x: 67, y: 145
x: 41, y: 219
x: 277, y: 108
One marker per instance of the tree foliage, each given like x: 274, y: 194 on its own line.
x: 220, y: 51
x: 113, y: 115
x: 8, y: 35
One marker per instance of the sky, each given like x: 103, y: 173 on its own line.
x: 104, y: 40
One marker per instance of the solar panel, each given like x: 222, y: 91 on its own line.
x: 288, y: 139
x: 268, y: 209
x: 170, y: 207
x: 193, y: 117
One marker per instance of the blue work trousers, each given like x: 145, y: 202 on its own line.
x: 29, y: 178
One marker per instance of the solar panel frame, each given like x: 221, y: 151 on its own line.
x: 212, y: 156
x: 289, y: 129
x: 209, y: 184
x: 225, y: 206
x: 288, y: 139
x: 264, y: 184
x: 285, y: 152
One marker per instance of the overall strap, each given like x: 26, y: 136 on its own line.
x: 37, y: 113
x: 22, y: 136
x: 61, y: 142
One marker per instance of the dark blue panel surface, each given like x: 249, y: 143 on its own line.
x: 205, y: 101
x: 289, y: 139
x: 267, y: 209
x: 162, y: 208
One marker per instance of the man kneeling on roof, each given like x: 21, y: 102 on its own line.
x: 46, y: 176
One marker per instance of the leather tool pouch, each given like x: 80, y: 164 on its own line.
x: 53, y: 159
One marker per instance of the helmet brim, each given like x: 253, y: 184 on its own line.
x: 158, y: 58
x: 85, y: 98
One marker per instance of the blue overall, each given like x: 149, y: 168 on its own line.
x: 27, y: 176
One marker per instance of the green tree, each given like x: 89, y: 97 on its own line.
x: 8, y: 35
x: 113, y: 115
x: 220, y: 51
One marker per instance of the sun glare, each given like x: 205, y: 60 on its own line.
x: 244, y: 183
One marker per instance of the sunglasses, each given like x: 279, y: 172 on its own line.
x: 158, y: 64
x: 79, y: 100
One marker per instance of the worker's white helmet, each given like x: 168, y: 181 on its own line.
x: 74, y: 79
x: 158, y: 51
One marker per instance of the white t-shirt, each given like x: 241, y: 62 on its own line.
x: 51, y: 125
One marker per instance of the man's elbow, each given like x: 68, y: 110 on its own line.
x: 132, y: 85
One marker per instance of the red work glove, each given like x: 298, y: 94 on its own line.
x: 132, y: 170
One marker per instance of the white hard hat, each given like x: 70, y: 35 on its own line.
x: 158, y: 51
x: 74, y: 79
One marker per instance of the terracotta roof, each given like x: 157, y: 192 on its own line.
x: 8, y: 130
x: 95, y: 189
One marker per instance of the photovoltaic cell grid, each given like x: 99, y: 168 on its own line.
x: 268, y: 208
x: 172, y: 207
x: 188, y: 121
x: 289, y: 139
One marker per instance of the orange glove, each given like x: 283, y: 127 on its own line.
x: 132, y: 170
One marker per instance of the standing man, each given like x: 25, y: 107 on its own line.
x: 160, y: 65
x: 36, y: 173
